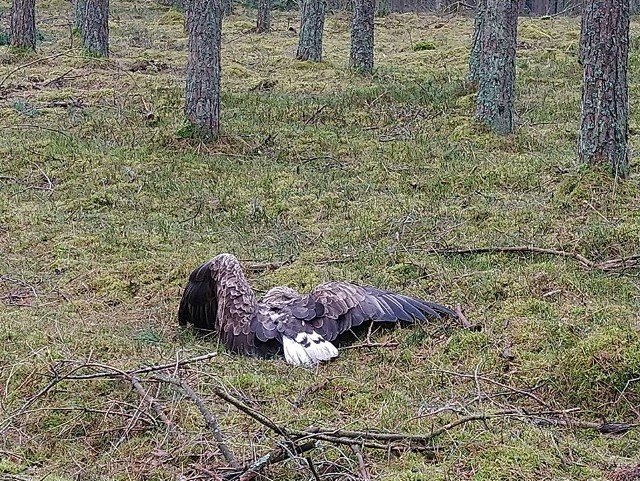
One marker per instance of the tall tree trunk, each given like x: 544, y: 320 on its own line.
x: 77, y: 17
x: 202, y: 97
x: 311, y: 28
x: 263, y: 23
x: 95, y: 30
x: 474, y: 57
x: 361, y: 57
x: 496, y: 81
x: 22, y: 29
x: 604, y: 118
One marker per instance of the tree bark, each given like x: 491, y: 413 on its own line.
x: 227, y: 6
x: 383, y: 8
x: 361, y: 57
x: 202, y: 96
x: 77, y: 17
x: 22, y: 29
x: 497, y: 75
x: 177, y: 4
x: 311, y: 29
x: 474, y: 58
x: 604, y: 117
x: 263, y: 22
x: 95, y: 29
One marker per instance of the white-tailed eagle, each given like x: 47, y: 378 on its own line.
x: 219, y: 298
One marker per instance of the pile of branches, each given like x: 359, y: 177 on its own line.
x: 295, y: 443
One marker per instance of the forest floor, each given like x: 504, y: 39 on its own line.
x: 105, y: 209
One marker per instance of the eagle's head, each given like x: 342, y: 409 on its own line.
x: 279, y: 296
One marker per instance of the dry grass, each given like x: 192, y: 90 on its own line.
x: 104, y: 211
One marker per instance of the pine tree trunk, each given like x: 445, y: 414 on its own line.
x: 474, y: 57
x: 202, y: 97
x: 604, y: 118
x: 361, y: 57
x: 496, y: 81
x: 22, y: 29
x: 95, y: 30
x: 79, y: 7
x: 263, y: 23
x: 311, y: 29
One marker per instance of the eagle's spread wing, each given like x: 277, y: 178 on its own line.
x: 343, y: 305
x: 219, y: 298
x: 315, y: 320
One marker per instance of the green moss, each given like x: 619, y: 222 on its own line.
x: 172, y: 17
x: 598, y: 368
x: 424, y: 45
x: 9, y: 467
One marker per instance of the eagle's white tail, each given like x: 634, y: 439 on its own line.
x: 307, y: 349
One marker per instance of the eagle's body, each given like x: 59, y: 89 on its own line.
x: 219, y: 298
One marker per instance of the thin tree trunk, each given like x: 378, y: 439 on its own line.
x: 311, y: 29
x: 474, y: 57
x: 383, y: 8
x: 202, y: 96
x: 22, y: 29
x: 496, y: 82
x: 227, y: 6
x: 95, y: 30
x: 263, y: 23
x: 77, y: 17
x: 604, y: 117
x: 361, y: 57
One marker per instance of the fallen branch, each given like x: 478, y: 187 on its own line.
x: 616, y: 263
x: 210, y: 420
x: 335, y: 436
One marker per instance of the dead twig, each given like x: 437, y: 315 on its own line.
x: 210, y: 420
x: 309, y: 390
x: 312, y: 468
x: 151, y: 401
x: 58, y: 78
x: 364, y: 472
x: 143, y: 370
x: 616, y: 263
x: 387, y: 345
x: 464, y: 321
x: 478, y: 377
x: 269, y: 266
x: 28, y: 64
x: 277, y: 455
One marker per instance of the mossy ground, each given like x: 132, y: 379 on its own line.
x: 104, y: 210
